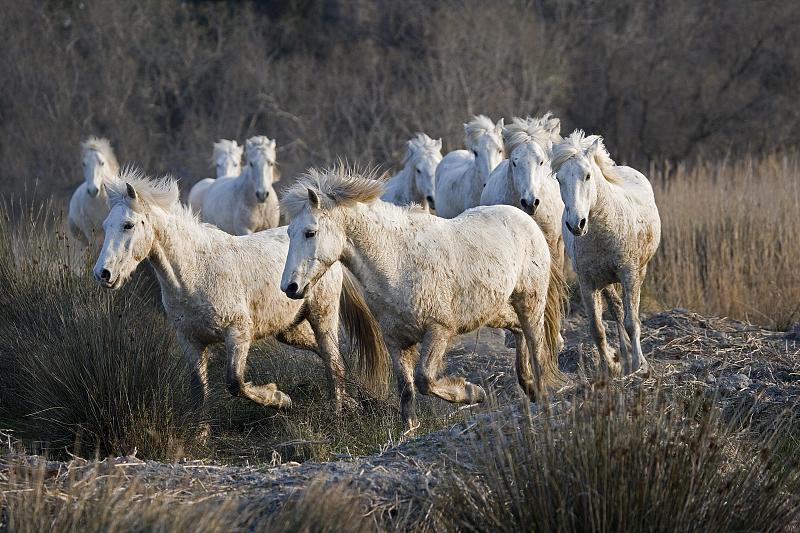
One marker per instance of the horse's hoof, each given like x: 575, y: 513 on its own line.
x: 475, y: 393
x: 643, y: 370
x: 284, y: 402
x: 412, y: 425
x: 203, y: 433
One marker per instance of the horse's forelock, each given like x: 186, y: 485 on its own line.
x: 420, y: 145
x: 102, y: 146
x: 479, y: 126
x: 225, y: 146
x: 576, y: 145
x: 161, y: 192
x: 521, y: 131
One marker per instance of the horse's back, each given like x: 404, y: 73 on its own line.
x: 450, y: 185
x: 636, y: 186
x: 197, y: 194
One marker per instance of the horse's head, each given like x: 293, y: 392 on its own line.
x: 425, y: 159
x: 578, y: 175
x: 529, y: 143
x: 129, y: 233
x: 227, y: 158
x: 485, y: 141
x: 529, y: 168
x: 315, y: 243
x: 96, y: 170
x: 260, y: 159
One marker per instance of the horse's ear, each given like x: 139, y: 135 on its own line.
x: 131, y: 191
x: 272, y: 142
x: 554, y: 126
x: 500, y: 123
x: 313, y: 199
x: 438, y: 143
x: 594, y: 147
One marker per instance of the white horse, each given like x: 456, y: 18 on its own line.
x: 462, y: 174
x: 246, y: 203
x: 611, y: 231
x: 428, y: 279
x: 415, y: 183
x: 217, y: 287
x: 88, y: 206
x: 525, y: 180
x: 227, y: 161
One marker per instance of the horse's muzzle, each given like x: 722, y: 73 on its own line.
x: 529, y: 207
x: 91, y: 191
x: 262, y: 196
x: 430, y: 201
x: 293, y: 291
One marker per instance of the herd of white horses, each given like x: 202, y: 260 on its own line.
x: 446, y: 246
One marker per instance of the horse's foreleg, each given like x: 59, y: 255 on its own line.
x: 451, y: 388
x: 404, y: 361
x: 196, y: 356
x: 631, y: 289
x: 326, y: 332
x: 237, y: 347
x: 594, y: 310
x: 614, y: 303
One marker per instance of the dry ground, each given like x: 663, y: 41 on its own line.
x: 737, y: 364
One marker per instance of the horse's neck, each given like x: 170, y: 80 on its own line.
x: 474, y: 186
x: 176, y: 248
x: 607, y: 206
x: 405, y: 184
x: 244, y: 187
x: 375, y: 240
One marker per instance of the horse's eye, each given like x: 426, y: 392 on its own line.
x: 500, y: 151
x: 127, y: 226
x: 419, y: 171
x: 101, y: 163
x: 587, y: 177
x: 475, y: 152
x: 310, y: 234
x: 541, y: 163
x: 513, y: 163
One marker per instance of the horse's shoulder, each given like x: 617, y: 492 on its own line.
x: 453, y: 161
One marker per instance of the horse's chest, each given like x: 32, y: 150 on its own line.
x: 196, y: 318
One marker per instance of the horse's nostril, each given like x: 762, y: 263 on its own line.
x: 105, y: 275
x: 536, y: 202
x: 292, y: 288
x: 430, y: 199
x: 524, y: 202
x: 582, y: 223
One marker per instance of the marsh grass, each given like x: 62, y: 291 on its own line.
x: 616, y: 460
x: 730, y: 239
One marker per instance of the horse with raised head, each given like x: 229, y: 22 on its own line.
x: 462, y: 174
x: 427, y: 279
x: 88, y: 206
x: 415, y: 183
x: 246, y: 203
x: 611, y: 230
x: 227, y: 161
x: 525, y: 180
x: 217, y: 287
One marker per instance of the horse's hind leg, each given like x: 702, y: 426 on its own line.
x: 594, y: 311
x: 614, y: 303
x: 451, y: 388
x: 545, y: 370
x: 523, y: 366
x: 631, y: 288
x: 404, y: 361
x: 237, y: 346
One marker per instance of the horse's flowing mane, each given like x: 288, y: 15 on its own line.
x: 160, y: 192
x: 337, y: 186
x: 476, y: 128
x: 225, y: 146
x: 103, y: 146
x: 420, y: 145
x: 543, y: 131
x: 578, y: 144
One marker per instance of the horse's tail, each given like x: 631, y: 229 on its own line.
x: 365, y: 336
x: 554, y: 311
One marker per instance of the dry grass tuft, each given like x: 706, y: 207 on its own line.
x: 730, y: 239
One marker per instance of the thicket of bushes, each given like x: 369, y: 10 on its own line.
x: 164, y: 78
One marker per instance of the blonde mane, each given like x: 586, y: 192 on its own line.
x: 476, y: 128
x: 541, y: 130
x: 418, y: 146
x: 579, y: 144
x: 102, y: 146
x: 159, y: 192
x: 338, y: 186
x: 225, y: 146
